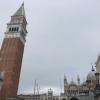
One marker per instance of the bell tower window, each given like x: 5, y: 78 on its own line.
x: 14, y: 29
x: 9, y: 29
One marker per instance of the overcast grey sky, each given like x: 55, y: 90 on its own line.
x: 63, y: 38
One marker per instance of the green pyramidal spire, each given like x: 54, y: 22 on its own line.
x: 20, y: 11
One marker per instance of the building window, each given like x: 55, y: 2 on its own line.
x: 14, y: 29
x: 9, y: 29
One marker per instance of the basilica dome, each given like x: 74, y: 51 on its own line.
x: 91, y: 75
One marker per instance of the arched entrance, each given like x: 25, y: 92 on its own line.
x: 73, y: 98
x: 63, y: 99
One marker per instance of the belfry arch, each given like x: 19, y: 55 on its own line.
x: 74, y: 98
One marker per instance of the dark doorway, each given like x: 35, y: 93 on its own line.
x: 73, y: 98
x: 63, y: 99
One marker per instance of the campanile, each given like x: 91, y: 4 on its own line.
x: 11, y: 53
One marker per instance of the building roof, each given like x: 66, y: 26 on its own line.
x: 98, y: 60
x: 20, y: 11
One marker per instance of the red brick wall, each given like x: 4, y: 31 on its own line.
x: 10, y: 62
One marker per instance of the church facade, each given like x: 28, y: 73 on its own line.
x: 78, y: 90
x: 86, y: 90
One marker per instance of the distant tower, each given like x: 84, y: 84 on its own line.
x: 78, y: 79
x: 65, y: 80
x: 65, y: 85
x: 11, y: 53
x: 50, y: 94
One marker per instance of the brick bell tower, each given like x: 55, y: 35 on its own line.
x: 11, y: 53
